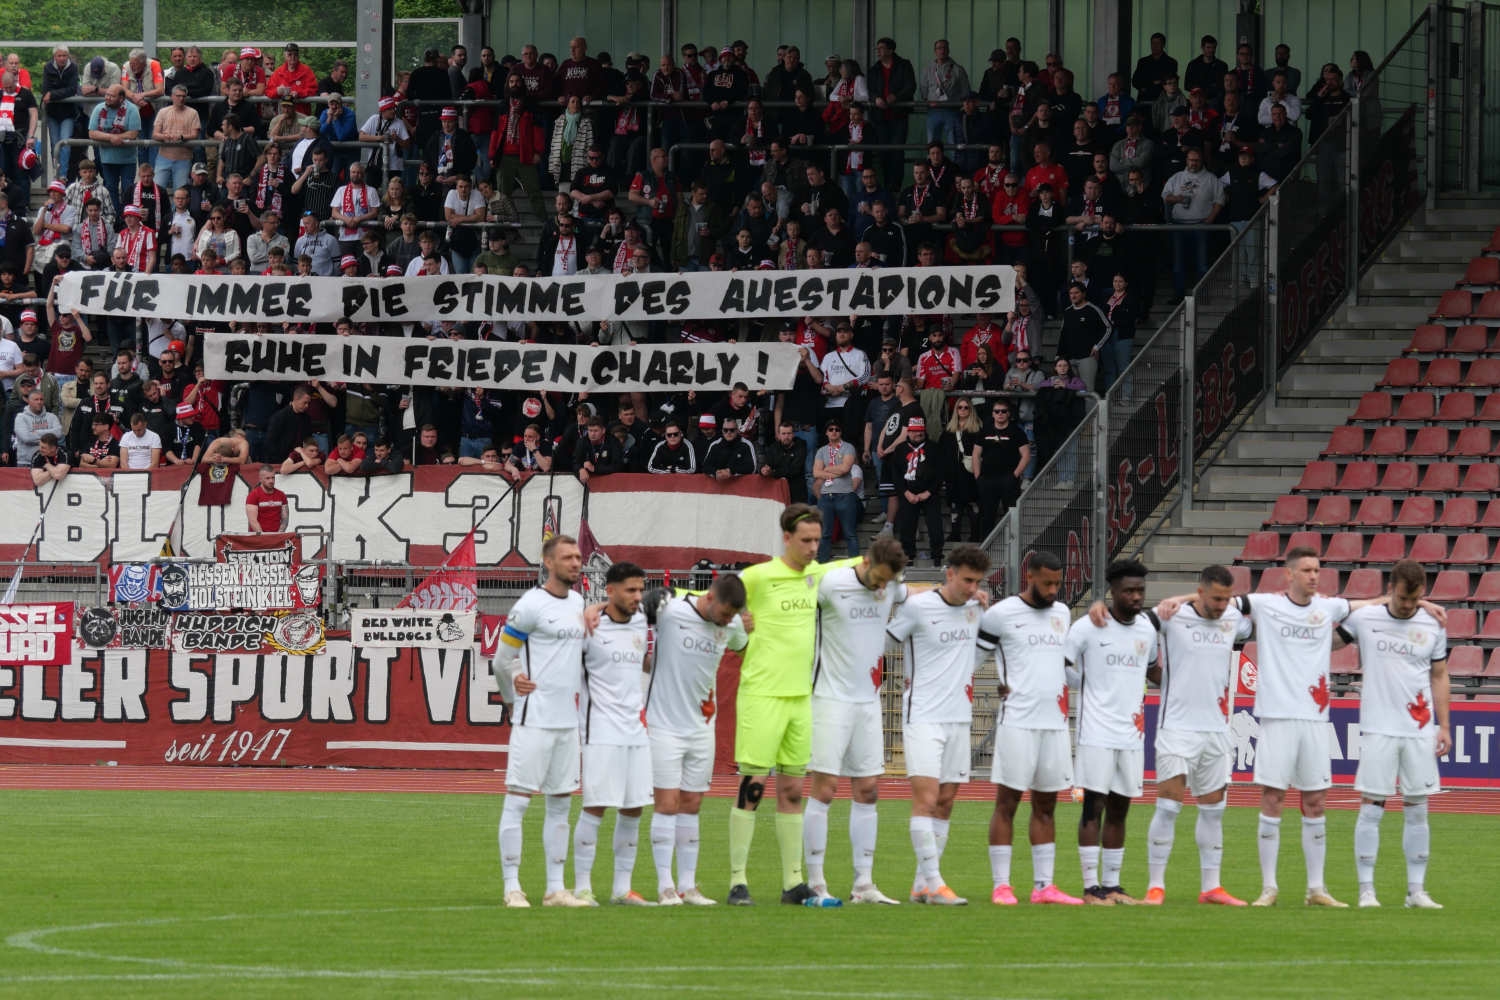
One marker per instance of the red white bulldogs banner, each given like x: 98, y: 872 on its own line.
x: 345, y: 706
x: 413, y: 518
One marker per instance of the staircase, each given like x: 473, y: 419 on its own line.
x: 1266, y: 456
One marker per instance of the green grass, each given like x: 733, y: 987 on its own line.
x: 177, y: 894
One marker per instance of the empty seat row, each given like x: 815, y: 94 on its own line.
x: 1399, y: 477
x: 1462, y: 304
x: 1457, y: 513
x: 1441, y: 373
x: 1348, y: 547
x: 1455, y: 407
x: 1425, y: 442
x: 1432, y: 338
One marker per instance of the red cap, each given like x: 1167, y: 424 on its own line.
x: 185, y: 410
x: 393, y: 270
x: 249, y: 52
x: 348, y: 260
x: 916, y: 424
x: 28, y: 315
x: 450, y: 114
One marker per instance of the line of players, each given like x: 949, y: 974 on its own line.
x: 813, y: 636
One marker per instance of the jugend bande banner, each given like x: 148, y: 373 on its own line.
x: 628, y: 298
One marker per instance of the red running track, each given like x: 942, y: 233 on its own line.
x: 63, y: 777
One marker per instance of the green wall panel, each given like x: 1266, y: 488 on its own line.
x: 973, y: 28
x: 818, y: 27
x: 615, y: 26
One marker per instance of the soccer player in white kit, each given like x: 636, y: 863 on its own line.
x: 616, y: 755
x: 1197, y: 677
x: 1026, y: 634
x: 1109, y: 664
x: 848, y: 737
x: 692, y: 633
x: 541, y: 660
x: 1403, y: 726
x: 938, y: 630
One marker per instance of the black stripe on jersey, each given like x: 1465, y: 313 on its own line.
x: 651, y: 677
x: 817, y: 648
x: 988, y: 637
x: 1155, y: 621
x: 911, y: 673
x: 1166, y: 683
x: 526, y: 650
x: 1004, y: 679
x: 588, y: 714
x: 1244, y: 603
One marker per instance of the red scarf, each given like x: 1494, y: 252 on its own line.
x: 137, y: 244
x: 919, y: 194
x: 351, y: 209
x: 756, y: 152
x: 92, y: 236
x: 856, y: 160
x: 994, y: 176
x: 8, y: 110
x: 53, y: 216
x: 628, y: 122
x: 970, y: 207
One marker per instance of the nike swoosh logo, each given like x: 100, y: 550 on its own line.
x: 1103, y: 644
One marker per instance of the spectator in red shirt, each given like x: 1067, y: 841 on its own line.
x: 292, y: 78
x: 940, y: 365
x: 266, y: 508
x: 984, y: 331
x: 1046, y: 172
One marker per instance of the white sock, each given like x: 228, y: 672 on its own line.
x: 1416, y: 841
x: 626, y: 842
x: 1367, y: 843
x: 687, y: 850
x: 940, y: 834
x: 585, y: 846
x: 815, y: 839
x: 1114, y: 862
x: 663, y: 833
x: 1159, y: 837
x: 1043, y: 863
x: 1000, y: 864
x: 555, y: 839
x: 1269, y: 844
x: 863, y: 828
x: 511, y: 815
x: 924, y: 843
x: 1314, y: 849
x: 1209, y: 832
x: 1088, y: 861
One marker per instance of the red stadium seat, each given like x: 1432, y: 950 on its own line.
x: 1344, y: 661
x: 1272, y: 581
x: 1466, y: 661
x: 1318, y: 476
x: 1470, y: 550
x: 1482, y: 477
x: 1429, y: 548
x: 1399, y: 477
x: 1386, y: 442
x: 1374, y: 406
x: 1386, y: 547
x: 1416, y: 512
x: 1489, y: 306
x: 1450, y: 586
x: 1473, y: 442
x: 1494, y: 346
x: 1427, y: 442
x: 1416, y: 406
x: 1461, y: 624
x: 1291, y: 510
x: 1362, y: 584
x: 1261, y: 546
x: 1491, y: 628
x: 1345, y: 547
x: 1484, y: 373
x: 1429, y: 338
x: 1351, y: 440
x: 1456, y: 304
x: 1402, y: 373
x: 1469, y: 339
x: 1457, y: 406
x: 1491, y: 518
x: 1487, y: 590
x: 1328, y: 580
x: 1482, y: 271
x: 1490, y: 411
x: 1440, y: 477
x: 1331, y: 511
x: 1304, y: 540
x: 1460, y: 513
x: 1443, y: 373
x: 1375, y: 512
x: 1492, y: 668
x: 1241, y: 576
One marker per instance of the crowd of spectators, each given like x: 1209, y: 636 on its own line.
x: 701, y: 163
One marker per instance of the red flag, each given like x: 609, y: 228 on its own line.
x: 215, y: 485
x: 453, y: 586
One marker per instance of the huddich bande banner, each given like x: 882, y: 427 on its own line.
x: 638, y: 298
x: 470, y: 364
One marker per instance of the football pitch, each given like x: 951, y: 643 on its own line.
x: 194, y: 894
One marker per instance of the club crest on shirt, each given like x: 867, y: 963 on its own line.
x: 971, y: 614
x: 1316, y: 618
x: 1417, y: 636
x: 639, y: 642
x: 1140, y: 647
x: 811, y: 581
x: 1057, y: 626
x: 218, y: 473
x: 1226, y: 627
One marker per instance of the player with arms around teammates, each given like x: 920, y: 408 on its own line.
x: 692, y: 633
x: 616, y: 753
x: 1403, y: 726
x: 1109, y: 663
x: 1026, y: 634
x: 539, y: 667
x: 854, y: 604
x: 773, y: 723
x: 938, y: 629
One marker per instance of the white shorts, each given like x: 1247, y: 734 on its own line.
x: 616, y: 777
x: 1036, y: 759
x: 684, y: 761
x: 1106, y: 769
x: 937, y: 750
x: 542, y: 761
x: 1294, y: 753
x: 1206, y: 759
x: 1382, y: 759
x: 848, y: 738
